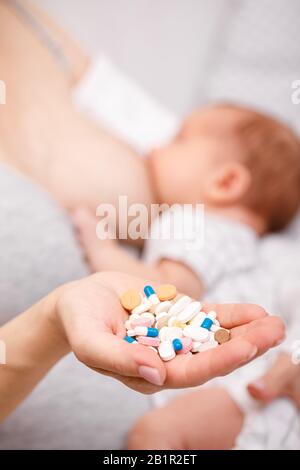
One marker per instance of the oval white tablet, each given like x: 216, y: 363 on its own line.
x: 172, y: 320
x: 189, y: 312
x: 148, y: 315
x: 163, y: 307
x: 166, y: 351
x: 173, y: 332
x: 215, y: 328
x: 196, y: 346
x: 161, y: 321
x: 196, y: 333
x: 180, y: 305
x: 198, y: 319
x: 144, y: 307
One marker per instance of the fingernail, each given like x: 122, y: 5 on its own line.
x: 150, y: 374
x: 258, y: 384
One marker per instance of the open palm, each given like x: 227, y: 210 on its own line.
x: 93, y: 320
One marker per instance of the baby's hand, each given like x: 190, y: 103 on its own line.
x: 281, y: 380
x: 95, y: 250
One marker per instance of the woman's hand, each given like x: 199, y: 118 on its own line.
x: 86, y: 317
x: 92, y: 320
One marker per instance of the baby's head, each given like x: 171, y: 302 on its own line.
x: 232, y: 158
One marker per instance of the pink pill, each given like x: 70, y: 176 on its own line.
x: 148, y: 341
x: 141, y: 322
x: 187, y: 345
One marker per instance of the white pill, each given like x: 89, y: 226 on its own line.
x: 212, y: 337
x: 162, y: 321
x: 162, y: 333
x: 189, y: 312
x: 196, y: 333
x: 133, y: 316
x: 196, y: 346
x: 180, y: 305
x: 169, y: 333
x: 166, y: 351
x: 173, y: 332
x: 131, y: 333
x: 212, y: 315
x: 198, y: 319
x: 161, y: 315
x: 144, y: 307
x: 148, y: 315
x: 141, y: 330
x: 172, y: 320
x: 152, y: 309
x: 153, y: 299
x: 163, y: 307
x: 215, y: 328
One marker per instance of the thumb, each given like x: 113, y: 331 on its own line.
x: 275, y: 382
x: 111, y: 353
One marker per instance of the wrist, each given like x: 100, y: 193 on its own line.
x: 52, y: 311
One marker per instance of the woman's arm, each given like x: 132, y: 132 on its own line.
x: 34, y: 343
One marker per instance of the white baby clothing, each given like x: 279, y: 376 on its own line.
x: 235, y: 265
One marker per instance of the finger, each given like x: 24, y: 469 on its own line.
x: 275, y: 382
x: 264, y: 333
x: 119, y: 282
x: 231, y: 315
x: 197, y: 369
x: 137, y: 384
x: 113, y: 354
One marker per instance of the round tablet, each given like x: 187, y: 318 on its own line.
x: 166, y: 292
x: 222, y: 336
x: 130, y: 299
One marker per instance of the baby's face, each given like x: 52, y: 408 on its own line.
x: 182, y: 170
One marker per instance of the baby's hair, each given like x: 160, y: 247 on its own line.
x: 271, y: 152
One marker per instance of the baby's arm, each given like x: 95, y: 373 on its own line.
x: 108, y: 255
x: 205, y: 419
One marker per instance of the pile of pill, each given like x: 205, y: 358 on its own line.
x: 170, y: 323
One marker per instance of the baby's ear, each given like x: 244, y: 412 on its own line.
x: 230, y: 183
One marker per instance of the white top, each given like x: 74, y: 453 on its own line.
x: 234, y: 264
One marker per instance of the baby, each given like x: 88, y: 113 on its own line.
x: 245, y: 168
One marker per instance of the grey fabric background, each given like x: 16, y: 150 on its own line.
x: 73, y: 408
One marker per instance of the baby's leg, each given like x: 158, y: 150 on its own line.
x: 205, y: 419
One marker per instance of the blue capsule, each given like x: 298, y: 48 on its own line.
x: 207, y: 323
x: 148, y: 291
x: 153, y: 332
x: 129, y: 339
x: 177, y: 344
